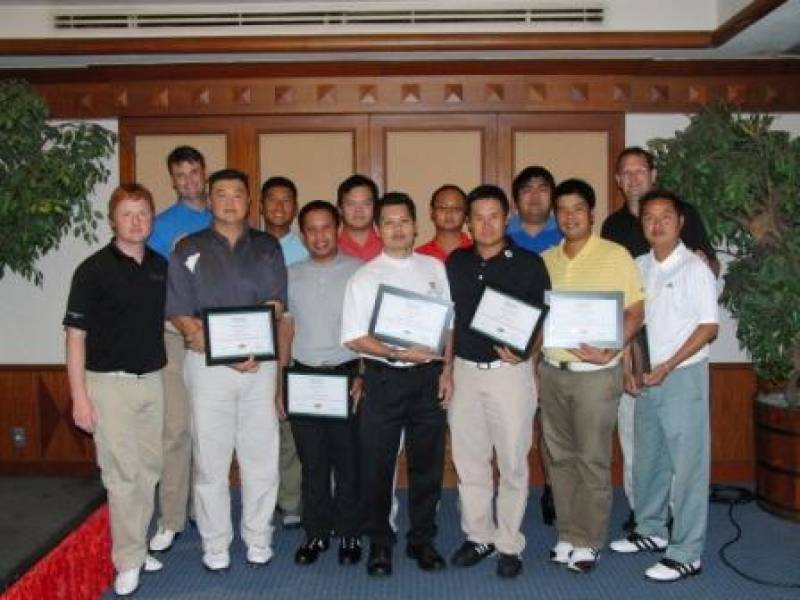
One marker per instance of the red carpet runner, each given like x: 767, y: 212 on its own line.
x: 79, y: 568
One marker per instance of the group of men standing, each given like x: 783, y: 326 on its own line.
x: 338, y: 476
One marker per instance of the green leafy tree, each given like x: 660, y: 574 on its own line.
x: 744, y: 179
x: 47, y: 172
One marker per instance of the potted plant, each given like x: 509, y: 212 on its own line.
x: 47, y: 171
x: 743, y: 177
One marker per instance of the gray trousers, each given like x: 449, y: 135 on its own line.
x: 672, y: 441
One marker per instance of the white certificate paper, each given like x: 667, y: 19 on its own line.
x: 505, y: 319
x: 575, y: 318
x: 409, y: 319
x: 236, y: 334
x: 317, y: 395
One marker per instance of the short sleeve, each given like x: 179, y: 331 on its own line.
x: 356, y: 309
x: 81, y: 300
x: 704, y: 293
x: 631, y: 279
x: 181, y: 300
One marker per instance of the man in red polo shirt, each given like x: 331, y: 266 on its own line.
x: 448, y: 213
x: 356, y: 200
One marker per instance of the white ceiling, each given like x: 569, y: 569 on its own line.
x: 776, y: 35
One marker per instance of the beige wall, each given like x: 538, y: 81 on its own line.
x: 151, y: 160
x: 581, y: 154
x: 418, y: 162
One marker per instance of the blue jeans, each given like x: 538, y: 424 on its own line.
x: 672, y: 453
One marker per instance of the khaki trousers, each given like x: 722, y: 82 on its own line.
x: 233, y: 411
x: 492, y: 410
x: 128, y: 442
x: 173, y: 490
x: 579, y: 412
x: 291, y: 471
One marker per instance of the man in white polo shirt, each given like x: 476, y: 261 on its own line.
x: 671, y: 445
x: 403, y: 389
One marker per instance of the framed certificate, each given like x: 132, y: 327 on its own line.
x: 403, y: 318
x: 507, y: 320
x: 234, y: 334
x: 321, y: 395
x: 575, y: 318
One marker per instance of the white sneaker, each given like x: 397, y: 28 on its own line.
x: 162, y: 540
x: 671, y: 570
x: 561, y: 552
x: 216, y: 561
x: 152, y: 564
x: 636, y: 542
x: 259, y: 555
x: 582, y: 560
x: 126, y: 582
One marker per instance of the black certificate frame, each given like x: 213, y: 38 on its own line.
x: 210, y: 313
x: 543, y: 309
x: 305, y: 371
x: 617, y: 296
x: 383, y: 290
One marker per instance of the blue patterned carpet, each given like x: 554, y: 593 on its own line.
x: 770, y: 549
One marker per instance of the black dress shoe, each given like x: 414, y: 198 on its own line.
x: 548, y: 506
x: 509, y: 565
x: 629, y: 526
x: 349, y: 550
x: 309, y: 551
x: 428, y: 559
x: 380, y: 561
x: 470, y: 554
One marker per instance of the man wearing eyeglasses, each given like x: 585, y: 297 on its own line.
x: 448, y: 213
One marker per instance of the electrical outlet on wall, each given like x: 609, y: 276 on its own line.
x: 19, y: 437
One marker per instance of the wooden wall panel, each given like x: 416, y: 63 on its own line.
x: 37, y: 398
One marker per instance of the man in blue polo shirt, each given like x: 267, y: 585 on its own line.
x: 534, y: 227
x: 187, y: 170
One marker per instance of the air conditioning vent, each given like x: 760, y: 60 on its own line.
x: 330, y: 18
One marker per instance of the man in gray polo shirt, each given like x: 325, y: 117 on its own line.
x: 326, y: 446
x: 233, y: 408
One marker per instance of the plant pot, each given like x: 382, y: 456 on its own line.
x: 777, y: 449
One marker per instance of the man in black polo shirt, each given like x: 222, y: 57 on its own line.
x: 636, y: 175
x: 115, y: 352
x: 494, y: 395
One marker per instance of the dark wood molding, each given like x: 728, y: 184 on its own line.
x: 122, y: 74
x: 414, y: 42
x: 751, y: 13
x: 24, y: 404
x: 496, y: 93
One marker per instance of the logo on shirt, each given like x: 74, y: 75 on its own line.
x: 191, y: 261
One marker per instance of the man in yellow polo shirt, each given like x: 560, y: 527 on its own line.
x: 581, y: 386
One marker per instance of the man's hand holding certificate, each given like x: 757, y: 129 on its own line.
x: 588, y: 324
x: 410, y: 320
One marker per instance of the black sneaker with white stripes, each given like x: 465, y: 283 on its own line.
x: 470, y: 554
x: 635, y: 542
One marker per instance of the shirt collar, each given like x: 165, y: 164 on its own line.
x: 677, y: 254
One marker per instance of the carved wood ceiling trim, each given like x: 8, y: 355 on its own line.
x: 464, y: 93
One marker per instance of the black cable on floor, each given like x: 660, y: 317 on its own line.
x: 733, y: 496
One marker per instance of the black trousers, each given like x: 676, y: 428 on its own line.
x: 329, y: 447
x: 398, y: 399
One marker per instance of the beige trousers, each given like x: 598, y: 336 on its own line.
x: 579, y: 411
x: 492, y: 410
x: 233, y: 411
x: 130, y: 414
x: 173, y: 490
x: 291, y: 471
